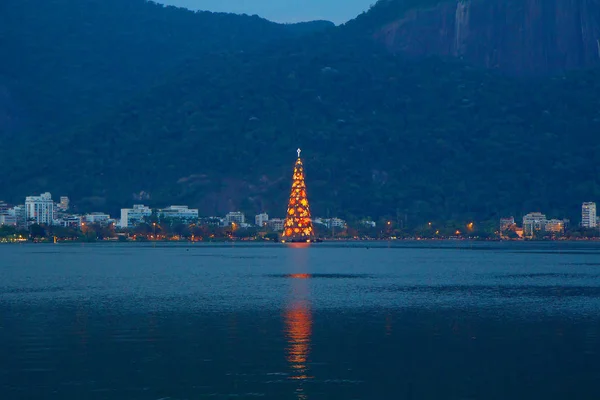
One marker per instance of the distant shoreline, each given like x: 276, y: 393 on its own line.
x: 189, y: 242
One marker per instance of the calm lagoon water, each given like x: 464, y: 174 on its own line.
x: 329, y: 321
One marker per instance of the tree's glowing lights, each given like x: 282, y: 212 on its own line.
x: 298, y: 224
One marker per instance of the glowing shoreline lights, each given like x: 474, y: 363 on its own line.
x: 298, y: 225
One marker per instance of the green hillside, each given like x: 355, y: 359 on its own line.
x: 66, y: 61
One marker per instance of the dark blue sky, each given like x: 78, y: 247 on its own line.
x: 338, y: 11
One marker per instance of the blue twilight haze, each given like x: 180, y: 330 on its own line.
x: 337, y: 11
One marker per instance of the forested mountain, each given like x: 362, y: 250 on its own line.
x: 65, y: 61
x: 383, y: 134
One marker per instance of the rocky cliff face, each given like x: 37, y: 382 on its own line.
x: 516, y: 36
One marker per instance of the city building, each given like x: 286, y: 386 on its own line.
x: 5, y: 217
x: 210, y: 221
x: 131, y: 217
x: 97, y: 218
x: 336, y: 223
x: 533, y: 222
x: 20, y: 214
x: 40, y: 209
x: 588, y: 215
x: 70, y: 221
x: 261, y: 219
x: 276, y: 224
x: 236, y: 217
x: 507, y: 224
x: 369, y: 223
x: 319, y: 221
x: 555, y: 226
x: 178, y: 212
x: 8, y: 220
x: 330, y: 222
x: 64, y: 204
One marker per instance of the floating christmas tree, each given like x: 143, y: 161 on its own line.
x: 298, y: 225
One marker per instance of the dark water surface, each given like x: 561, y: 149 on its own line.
x: 330, y: 321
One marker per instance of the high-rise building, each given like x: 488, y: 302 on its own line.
x: 261, y: 219
x: 131, y: 217
x: 588, y: 215
x: 40, y: 209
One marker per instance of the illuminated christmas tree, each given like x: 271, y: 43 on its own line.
x: 298, y: 225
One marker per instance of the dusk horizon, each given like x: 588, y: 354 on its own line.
x: 336, y: 11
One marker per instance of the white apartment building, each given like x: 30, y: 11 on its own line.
x: 40, y: 209
x: 276, y: 224
x: 131, y: 217
x: 178, y: 212
x: 588, y: 215
x: 534, y: 222
x: 235, y: 217
x: 97, y: 218
x: 261, y: 219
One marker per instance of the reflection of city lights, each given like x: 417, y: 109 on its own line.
x: 298, y: 322
x: 300, y: 276
x: 299, y: 245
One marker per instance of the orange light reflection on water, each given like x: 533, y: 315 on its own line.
x: 298, y: 328
x: 298, y: 322
x: 299, y: 276
x: 298, y: 245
